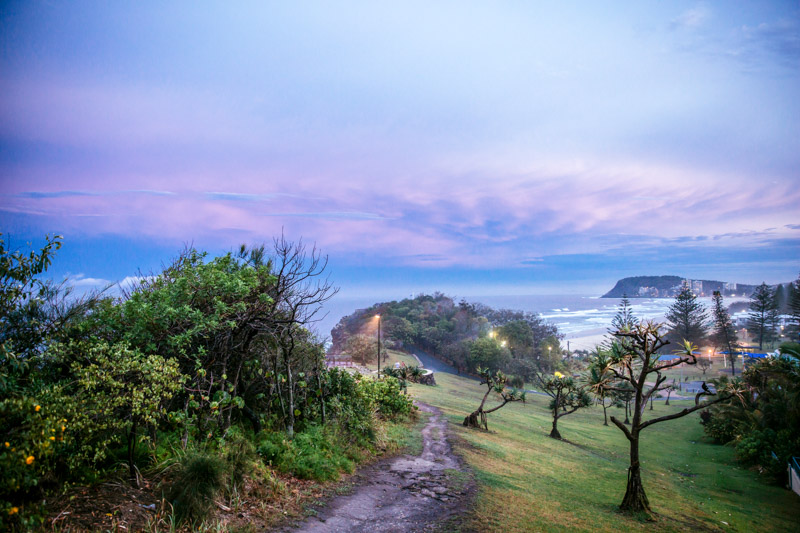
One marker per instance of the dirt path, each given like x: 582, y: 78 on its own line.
x: 402, y: 494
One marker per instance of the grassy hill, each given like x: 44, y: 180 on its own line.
x: 530, y: 482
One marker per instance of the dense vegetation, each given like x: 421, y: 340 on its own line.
x: 207, y: 365
x: 763, y: 423
x: 466, y: 335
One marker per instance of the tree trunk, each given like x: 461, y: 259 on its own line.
x: 554, y: 432
x: 627, y: 420
x: 635, y: 500
x: 477, y: 420
x: 290, y: 426
x: 321, y: 392
x: 605, y: 415
x: 253, y: 418
x: 131, y: 451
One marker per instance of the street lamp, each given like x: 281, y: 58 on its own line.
x: 379, y: 345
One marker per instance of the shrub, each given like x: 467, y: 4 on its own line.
x: 32, y: 432
x: 316, y: 453
x: 722, y: 429
x: 347, y: 402
x: 240, y: 458
x: 387, y: 396
x: 199, y: 478
x: 117, y: 392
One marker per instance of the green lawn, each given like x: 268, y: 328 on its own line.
x: 530, y: 482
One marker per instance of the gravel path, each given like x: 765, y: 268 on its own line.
x: 402, y: 494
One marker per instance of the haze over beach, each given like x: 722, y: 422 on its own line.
x: 459, y: 147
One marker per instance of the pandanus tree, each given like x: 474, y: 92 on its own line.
x: 598, y: 373
x: 498, y: 383
x: 635, y: 361
x: 566, y: 397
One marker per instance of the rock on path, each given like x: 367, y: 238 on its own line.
x: 402, y: 494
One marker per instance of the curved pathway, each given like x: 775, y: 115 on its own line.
x: 401, y: 494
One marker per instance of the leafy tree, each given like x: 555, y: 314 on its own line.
x: 566, y: 397
x: 488, y: 353
x: 637, y: 363
x: 495, y: 382
x: 704, y: 364
x: 549, y: 358
x: 724, y: 335
x: 764, y: 423
x: 762, y: 315
x: 362, y: 349
x: 519, y: 336
x: 116, y: 396
x: 686, y: 318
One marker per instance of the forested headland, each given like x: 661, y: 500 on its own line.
x: 465, y: 335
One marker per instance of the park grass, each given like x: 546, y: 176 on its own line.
x: 530, y: 482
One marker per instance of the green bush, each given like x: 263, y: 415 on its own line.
x: 116, y: 394
x: 722, y: 429
x: 240, y: 458
x: 199, y: 479
x: 316, y: 453
x: 348, y: 403
x: 387, y: 396
x: 32, y: 433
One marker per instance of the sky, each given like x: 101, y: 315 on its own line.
x: 468, y: 147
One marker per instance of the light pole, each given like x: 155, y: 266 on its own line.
x: 379, y: 346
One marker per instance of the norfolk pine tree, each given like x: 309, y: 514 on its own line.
x: 762, y: 315
x: 794, y: 309
x: 686, y: 318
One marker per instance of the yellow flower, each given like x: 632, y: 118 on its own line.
x: 52, y: 438
x: 30, y: 459
x: 559, y: 375
x: 63, y: 428
x: 13, y: 510
x: 8, y: 444
x: 37, y: 408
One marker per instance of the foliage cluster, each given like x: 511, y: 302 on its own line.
x: 206, y: 349
x: 764, y: 426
